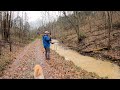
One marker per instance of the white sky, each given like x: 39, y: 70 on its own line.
x: 34, y: 17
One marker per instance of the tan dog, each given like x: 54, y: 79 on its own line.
x: 38, y: 72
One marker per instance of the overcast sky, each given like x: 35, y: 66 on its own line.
x: 35, y: 17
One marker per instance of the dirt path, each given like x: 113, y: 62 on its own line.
x: 56, y: 68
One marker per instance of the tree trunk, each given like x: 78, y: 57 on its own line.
x: 10, y: 43
x: 109, y: 13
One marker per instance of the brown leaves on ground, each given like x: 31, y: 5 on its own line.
x: 8, y: 57
x: 56, y: 68
x: 63, y: 69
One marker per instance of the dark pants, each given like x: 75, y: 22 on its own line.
x: 47, y: 53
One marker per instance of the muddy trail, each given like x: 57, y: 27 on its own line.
x: 56, y: 68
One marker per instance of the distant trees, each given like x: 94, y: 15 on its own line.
x: 13, y: 29
x: 21, y: 27
x: 77, y: 19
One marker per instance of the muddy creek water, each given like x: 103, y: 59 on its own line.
x: 90, y: 64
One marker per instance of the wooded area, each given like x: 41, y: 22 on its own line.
x: 87, y: 31
x: 76, y: 35
x: 13, y: 29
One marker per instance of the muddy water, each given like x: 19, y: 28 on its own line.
x: 102, y: 68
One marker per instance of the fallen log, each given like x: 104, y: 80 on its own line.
x: 96, y: 50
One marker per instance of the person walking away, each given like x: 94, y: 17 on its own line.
x: 46, y: 43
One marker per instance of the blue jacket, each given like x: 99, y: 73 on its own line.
x: 46, y: 41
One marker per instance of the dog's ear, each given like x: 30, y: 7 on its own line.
x: 38, y: 72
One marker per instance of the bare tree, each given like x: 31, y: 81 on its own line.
x: 109, y: 20
x: 76, y: 23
